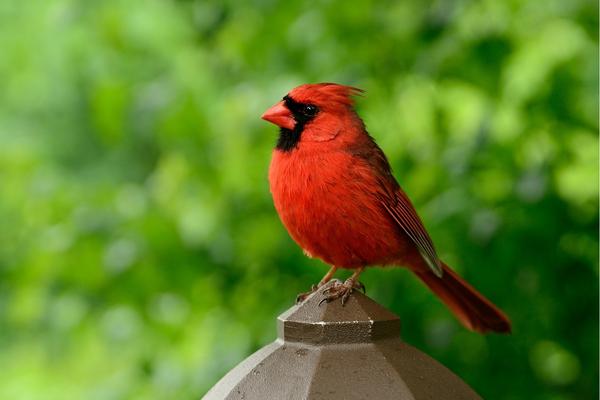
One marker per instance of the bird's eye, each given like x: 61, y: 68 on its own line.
x: 309, y: 110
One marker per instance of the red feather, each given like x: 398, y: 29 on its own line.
x: 470, y: 307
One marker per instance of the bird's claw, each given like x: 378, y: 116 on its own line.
x: 302, y: 296
x: 360, y: 286
x: 342, y: 290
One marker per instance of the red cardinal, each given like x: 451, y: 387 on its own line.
x: 335, y: 193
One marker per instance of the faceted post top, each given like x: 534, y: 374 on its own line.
x: 359, y: 320
x: 331, y: 352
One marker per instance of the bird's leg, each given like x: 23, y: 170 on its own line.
x: 302, y: 296
x: 344, y: 290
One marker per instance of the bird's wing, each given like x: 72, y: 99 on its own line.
x: 403, y: 212
x: 396, y: 202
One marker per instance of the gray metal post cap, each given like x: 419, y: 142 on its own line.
x: 329, y: 351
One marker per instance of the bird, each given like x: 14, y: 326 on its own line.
x: 335, y: 193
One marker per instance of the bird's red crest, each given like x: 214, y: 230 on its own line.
x: 326, y: 93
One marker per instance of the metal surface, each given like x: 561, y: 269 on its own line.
x: 339, y: 352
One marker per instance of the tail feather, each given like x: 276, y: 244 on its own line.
x: 468, y: 305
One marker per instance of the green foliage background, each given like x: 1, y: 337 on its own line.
x: 141, y: 257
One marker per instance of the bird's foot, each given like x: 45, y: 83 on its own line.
x: 302, y: 296
x: 342, y: 290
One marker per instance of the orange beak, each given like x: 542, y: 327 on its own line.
x: 280, y: 116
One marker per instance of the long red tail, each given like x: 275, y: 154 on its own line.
x: 470, y: 307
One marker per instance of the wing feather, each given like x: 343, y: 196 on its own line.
x: 403, y: 212
x: 396, y: 202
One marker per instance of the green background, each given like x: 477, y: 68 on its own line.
x: 140, y: 254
